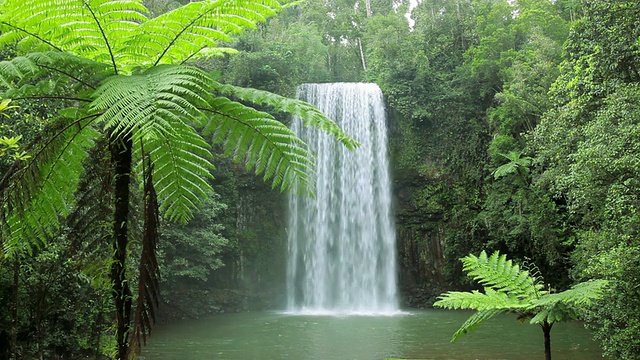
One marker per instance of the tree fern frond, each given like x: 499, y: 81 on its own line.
x: 309, y: 114
x: 264, y: 143
x: 150, y: 101
x: 476, y: 300
x: 188, y: 30
x: 35, y: 196
x: 554, y: 313
x: 474, y: 320
x: 497, y: 272
x: 119, y: 34
x: 577, y: 296
x: 181, y: 169
x: 95, y: 29
x: 77, y: 72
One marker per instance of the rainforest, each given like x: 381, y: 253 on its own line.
x: 280, y: 175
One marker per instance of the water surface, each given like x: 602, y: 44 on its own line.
x: 417, y: 335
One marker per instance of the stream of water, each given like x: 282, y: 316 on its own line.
x: 416, y: 335
x: 341, y: 256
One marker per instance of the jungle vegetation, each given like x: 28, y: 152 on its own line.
x: 514, y: 128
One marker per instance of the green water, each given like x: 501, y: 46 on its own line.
x: 419, y: 334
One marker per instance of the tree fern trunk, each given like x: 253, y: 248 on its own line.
x: 546, y: 329
x: 121, y: 158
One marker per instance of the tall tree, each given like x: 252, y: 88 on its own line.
x: 130, y: 88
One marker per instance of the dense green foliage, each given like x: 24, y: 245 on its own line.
x: 132, y: 95
x: 508, y: 288
x: 513, y: 128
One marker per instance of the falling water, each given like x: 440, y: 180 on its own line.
x: 342, y: 243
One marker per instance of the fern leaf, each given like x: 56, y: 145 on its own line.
x: 474, y: 320
x: 34, y: 197
x: 193, y: 29
x: 75, y: 72
x: 476, y: 300
x: 500, y: 274
x: 181, y: 169
x: 150, y: 101
x: 264, y: 143
x: 309, y: 114
x: 577, y: 296
x: 119, y: 34
x: 94, y: 29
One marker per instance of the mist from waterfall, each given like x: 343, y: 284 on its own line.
x: 341, y: 244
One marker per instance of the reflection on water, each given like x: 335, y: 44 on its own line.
x: 417, y: 335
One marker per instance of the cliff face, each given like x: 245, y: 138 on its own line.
x: 420, y: 219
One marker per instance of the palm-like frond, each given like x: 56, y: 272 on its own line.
x: 118, y: 33
x: 561, y: 306
x: 579, y: 295
x: 180, y: 172
x: 36, y: 195
x: 309, y: 114
x: 262, y: 142
x: 500, y: 274
x: 476, y: 300
x: 505, y: 169
x: 149, y: 103
x: 93, y: 29
x: 56, y: 73
x: 158, y: 108
x: 197, y: 28
x: 474, y: 320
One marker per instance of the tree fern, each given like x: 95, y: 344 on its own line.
x: 509, y: 289
x: 125, y: 80
x: 517, y: 164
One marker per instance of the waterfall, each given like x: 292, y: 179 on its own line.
x: 342, y: 243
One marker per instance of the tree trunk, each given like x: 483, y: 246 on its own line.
x: 364, y: 64
x: 546, y: 329
x: 121, y: 158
